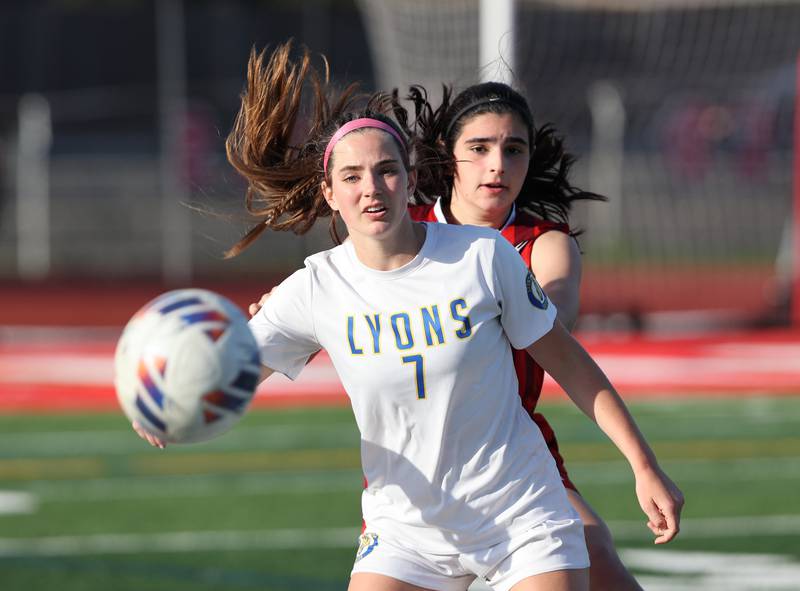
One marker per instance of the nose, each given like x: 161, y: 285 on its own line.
x: 497, y: 161
x: 370, y: 184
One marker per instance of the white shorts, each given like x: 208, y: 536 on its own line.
x: 546, y: 547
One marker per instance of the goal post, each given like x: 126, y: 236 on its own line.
x: 795, y: 224
x: 496, y: 60
x: 34, y: 139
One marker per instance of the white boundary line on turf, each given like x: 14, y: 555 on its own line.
x: 346, y: 480
x: 715, y: 527
x: 14, y: 501
x: 189, y: 541
x: 288, y: 539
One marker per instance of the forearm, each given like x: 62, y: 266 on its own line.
x: 588, y: 387
x: 614, y: 419
x: 570, y: 365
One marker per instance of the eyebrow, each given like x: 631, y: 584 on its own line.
x: 484, y: 140
x: 357, y: 167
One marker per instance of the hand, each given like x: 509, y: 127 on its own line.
x: 254, y: 308
x: 662, y: 502
x: 147, y: 436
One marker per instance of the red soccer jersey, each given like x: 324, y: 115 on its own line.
x: 522, y: 232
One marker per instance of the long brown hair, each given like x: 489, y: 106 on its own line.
x: 546, y: 191
x: 284, y: 173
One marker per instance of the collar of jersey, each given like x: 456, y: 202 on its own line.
x: 442, y: 219
x: 431, y: 236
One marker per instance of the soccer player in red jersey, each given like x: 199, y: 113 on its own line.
x: 497, y: 169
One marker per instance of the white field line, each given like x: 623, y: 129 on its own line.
x: 299, y: 482
x: 288, y: 539
x: 713, y: 571
x: 14, y: 501
x: 187, y: 541
x: 265, y: 438
x: 716, y: 527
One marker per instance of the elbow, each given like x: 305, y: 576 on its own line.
x: 568, y: 315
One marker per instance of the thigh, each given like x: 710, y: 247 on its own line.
x: 375, y: 582
x: 561, y: 580
x: 598, y: 536
x: 588, y: 515
x: 607, y: 571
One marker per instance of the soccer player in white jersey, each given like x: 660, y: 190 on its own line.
x: 419, y: 320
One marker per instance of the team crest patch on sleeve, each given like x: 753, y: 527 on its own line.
x: 536, y: 295
x: 366, y: 544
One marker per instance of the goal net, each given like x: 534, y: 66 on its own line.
x: 681, y: 111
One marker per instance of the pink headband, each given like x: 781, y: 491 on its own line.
x: 358, y: 124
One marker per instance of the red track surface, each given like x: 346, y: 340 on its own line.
x: 78, y: 376
x: 65, y: 371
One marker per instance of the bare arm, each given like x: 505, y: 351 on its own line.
x: 556, y: 262
x: 570, y: 365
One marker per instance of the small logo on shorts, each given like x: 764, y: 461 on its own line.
x: 536, y: 295
x: 366, y: 544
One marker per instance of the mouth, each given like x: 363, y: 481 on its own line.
x: 495, y: 186
x: 375, y: 209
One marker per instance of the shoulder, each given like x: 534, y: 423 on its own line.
x: 422, y: 213
x: 537, y: 225
x: 318, y: 268
x: 325, y: 258
x: 527, y: 229
x: 556, y: 250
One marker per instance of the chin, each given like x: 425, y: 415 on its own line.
x: 495, y: 203
x: 378, y: 229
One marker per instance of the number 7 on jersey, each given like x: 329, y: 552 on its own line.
x: 420, y: 373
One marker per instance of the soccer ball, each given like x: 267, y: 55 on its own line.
x: 186, y: 366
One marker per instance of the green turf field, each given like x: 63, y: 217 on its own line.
x: 274, y: 505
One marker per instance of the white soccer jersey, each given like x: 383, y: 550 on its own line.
x: 453, y: 462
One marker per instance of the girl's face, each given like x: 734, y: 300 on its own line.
x: 369, y: 185
x: 492, y: 156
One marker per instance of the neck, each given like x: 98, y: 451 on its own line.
x: 458, y: 211
x: 390, y: 252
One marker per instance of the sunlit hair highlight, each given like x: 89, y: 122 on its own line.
x: 288, y: 114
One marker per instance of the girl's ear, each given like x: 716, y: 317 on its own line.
x: 327, y: 192
x: 412, y: 181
